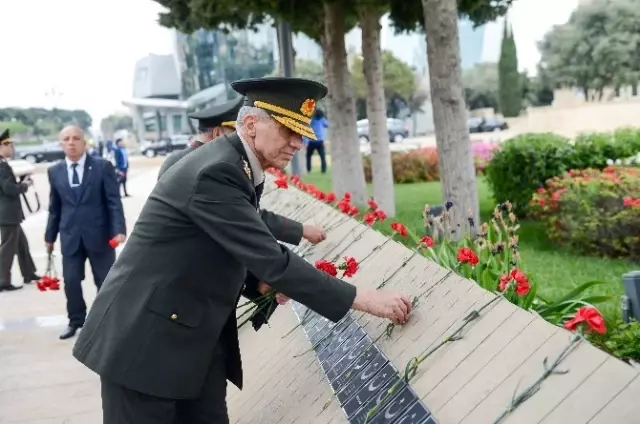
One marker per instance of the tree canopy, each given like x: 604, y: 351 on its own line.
x: 598, y: 47
x: 113, y: 123
x: 409, y: 15
x: 303, y: 16
x: 398, y: 77
x: 42, y: 122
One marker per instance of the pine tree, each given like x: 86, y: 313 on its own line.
x: 509, y: 90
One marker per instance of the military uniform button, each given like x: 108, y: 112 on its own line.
x: 174, y: 316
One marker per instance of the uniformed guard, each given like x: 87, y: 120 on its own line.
x: 162, y: 331
x: 212, y: 122
x: 13, y: 238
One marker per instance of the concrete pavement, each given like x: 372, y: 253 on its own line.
x: 40, y: 382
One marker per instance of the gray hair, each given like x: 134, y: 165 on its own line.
x: 249, y: 110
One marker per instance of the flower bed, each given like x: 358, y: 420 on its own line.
x: 525, y: 162
x: 595, y: 212
x: 421, y: 165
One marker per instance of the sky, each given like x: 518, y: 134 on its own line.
x: 86, y: 50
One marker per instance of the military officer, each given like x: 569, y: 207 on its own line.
x: 212, y: 122
x: 14, y: 241
x: 162, y: 331
x: 219, y: 120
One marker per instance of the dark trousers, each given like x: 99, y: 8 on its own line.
x: 125, y: 406
x: 122, y: 180
x: 13, y: 242
x: 73, y: 274
x: 312, y: 147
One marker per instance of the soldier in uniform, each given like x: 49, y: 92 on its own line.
x: 220, y: 120
x: 162, y: 332
x: 212, y: 122
x: 13, y: 238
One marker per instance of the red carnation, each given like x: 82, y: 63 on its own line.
x: 349, y: 267
x: 399, y: 229
x: 344, y: 206
x: 372, y: 204
x: 331, y: 197
x: 427, y: 241
x: 369, y: 218
x: 521, y: 281
x: 282, y: 183
x: 466, y: 255
x: 113, y: 243
x: 380, y: 215
x: 589, y: 316
x: 326, y: 267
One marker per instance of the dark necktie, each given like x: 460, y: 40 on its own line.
x: 259, y: 190
x: 75, y: 179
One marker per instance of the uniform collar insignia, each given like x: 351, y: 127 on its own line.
x: 247, y: 169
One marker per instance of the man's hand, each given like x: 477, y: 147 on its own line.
x: 120, y: 238
x: 313, y: 233
x: 395, y: 306
x: 265, y: 288
x: 28, y: 181
x: 49, y: 247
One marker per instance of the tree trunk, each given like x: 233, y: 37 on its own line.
x: 382, y: 174
x: 455, y: 158
x: 346, y: 161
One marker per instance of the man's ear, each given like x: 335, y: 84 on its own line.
x: 250, y: 122
x: 216, y: 132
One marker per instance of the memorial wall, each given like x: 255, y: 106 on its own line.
x: 466, y: 356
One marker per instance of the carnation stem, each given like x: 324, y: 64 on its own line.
x: 411, y: 369
x: 548, y: 370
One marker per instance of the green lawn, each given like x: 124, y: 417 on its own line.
x: 557, y: 270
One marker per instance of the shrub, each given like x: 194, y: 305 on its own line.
x: 596, y: 212
x: 421, y: 165
x: 525, y: 162
x: 411, y: 167
x: 623, y: 341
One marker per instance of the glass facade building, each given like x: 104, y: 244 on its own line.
x: 471, y: 43
x: 208, y: 61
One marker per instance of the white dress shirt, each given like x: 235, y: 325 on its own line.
x: 79, y: 169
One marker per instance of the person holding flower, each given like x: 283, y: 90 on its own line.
x: 162, y: 332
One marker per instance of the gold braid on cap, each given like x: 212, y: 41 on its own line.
x: 231, y: 124
x: 296, y: 126
x: 282, y: 111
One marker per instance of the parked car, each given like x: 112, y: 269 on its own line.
x: 46, y: 152
x: 398, y: 130
x: 164, y: 146
x: 481, y: 125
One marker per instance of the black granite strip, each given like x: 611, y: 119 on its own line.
x: 359, y: 374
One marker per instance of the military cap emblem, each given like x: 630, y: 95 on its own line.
x: 308, y: 106
x: 247, y: 169
x: 290, y: 101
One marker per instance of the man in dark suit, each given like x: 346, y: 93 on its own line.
x: 13, y: 238
x: 162, y: 332
x: 86, y: 210
x: 212, y: 122
x: 121, y: 157
x: 220, y: 120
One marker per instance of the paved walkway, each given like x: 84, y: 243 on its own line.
x: 40, y: 382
